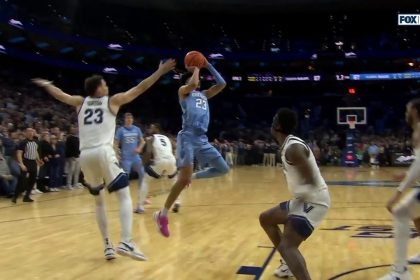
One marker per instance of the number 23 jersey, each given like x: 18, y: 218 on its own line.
x: 195, y: 113
x: 96, y: 123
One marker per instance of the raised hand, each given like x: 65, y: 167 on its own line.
x: 167, y: 66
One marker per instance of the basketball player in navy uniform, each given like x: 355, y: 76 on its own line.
x: 407, y: 208
x: 192, y: 139
x: 309, y: 204
x: 96, y: 117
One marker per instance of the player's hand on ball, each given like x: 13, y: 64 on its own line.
x: 41, y: 82
x: 191, y: 68
x: 168, y: 65
x: 393, y: 200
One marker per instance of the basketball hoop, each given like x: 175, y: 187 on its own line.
x: 352, y: 124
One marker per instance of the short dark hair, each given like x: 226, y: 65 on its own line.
x: 184, y: 77
x: 285, y: 121
x: 158, y: 126
x: 128, y: 114
x: 92, y: 83
x: 415, y: 103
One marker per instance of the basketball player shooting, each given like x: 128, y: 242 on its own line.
x: 192, y: 140
x: 96, y: 117
x: 409, y: 207
x: 308, y: 207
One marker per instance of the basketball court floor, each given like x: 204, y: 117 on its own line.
x: 215, y: 236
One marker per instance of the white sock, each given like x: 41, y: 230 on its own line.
x: 101, y: 217
x: 402, y: 236
x: 143, y: 191
x: 126, y: 213
x: 164, y: 212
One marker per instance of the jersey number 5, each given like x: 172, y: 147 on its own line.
x: 93, y: 116
x: 163, y: 142
x: 201, y: 103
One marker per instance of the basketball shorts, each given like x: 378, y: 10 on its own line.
x: 130, y: 163
x: 100, y: 166
x: 304, y: 216
x: 162, y: 167
x: 189, y: 145
x: 411, y: 203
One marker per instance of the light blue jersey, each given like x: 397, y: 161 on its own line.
x: 129, y: 138
x: 195, y: 113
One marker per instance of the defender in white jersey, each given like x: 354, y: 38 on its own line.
x: 159, y: 161
x: 407, y: 208
x: 96, y: 117
x: 310, y: 202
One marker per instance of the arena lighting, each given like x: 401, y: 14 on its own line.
x: 216, y: 56
x: 116, y: 47
x: 110, y: 70
x: 351, y: 91
x: 2, y: 49
x: 16, y: 23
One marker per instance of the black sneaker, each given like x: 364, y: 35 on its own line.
x: 176, y: 207
x: 14, y: 198
x: 28, y: 199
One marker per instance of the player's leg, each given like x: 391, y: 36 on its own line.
x: 137, y: 166
x: 218, y: 166
x: 270, y: 221
x: 91, y: 170
x: 76, y: 174
x: 416, y: 258
x: 408, y: 209
x: 185, y: 159
x: 117, y: 182
x: 289, y: 249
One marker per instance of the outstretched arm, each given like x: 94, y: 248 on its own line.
x: 122, y: 98
x: 220, y: 82
x: 73, y: 100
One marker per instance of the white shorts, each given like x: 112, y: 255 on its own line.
x: 100, y: 165
x: 162, y: 167
x: 305, y: 216
x: 411, y: 203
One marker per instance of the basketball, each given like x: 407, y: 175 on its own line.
x: 195, y: 58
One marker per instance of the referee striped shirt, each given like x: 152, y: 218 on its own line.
x: 29, y: 148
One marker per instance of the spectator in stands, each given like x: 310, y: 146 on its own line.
x: 373, y: 152
x: 45, y: 153
x: 54, y: 170
x: 8, y: 182
x: 72, y: 158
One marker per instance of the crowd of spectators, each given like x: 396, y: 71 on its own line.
x: 54, y: 127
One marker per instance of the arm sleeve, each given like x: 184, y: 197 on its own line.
x: 412, y: 174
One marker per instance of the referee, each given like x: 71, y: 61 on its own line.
x: 28, y: 158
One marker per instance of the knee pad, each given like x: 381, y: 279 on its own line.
x: 95, y: 190
x: 120, y: 182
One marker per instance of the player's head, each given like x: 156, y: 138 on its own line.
x: 186, y: 77
x: 128, y: 119
x: 412, y: 113
x: 155, y: 128
x: 284, y: 122
x: 95, y: 86
x: 30, y: 133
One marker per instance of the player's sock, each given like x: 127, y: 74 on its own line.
x: 101, y: 217
x: 402, y: 235
x: 164, y: 211
x: 218, y: 167
x: 143, y: 191
x: 126, y: 213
